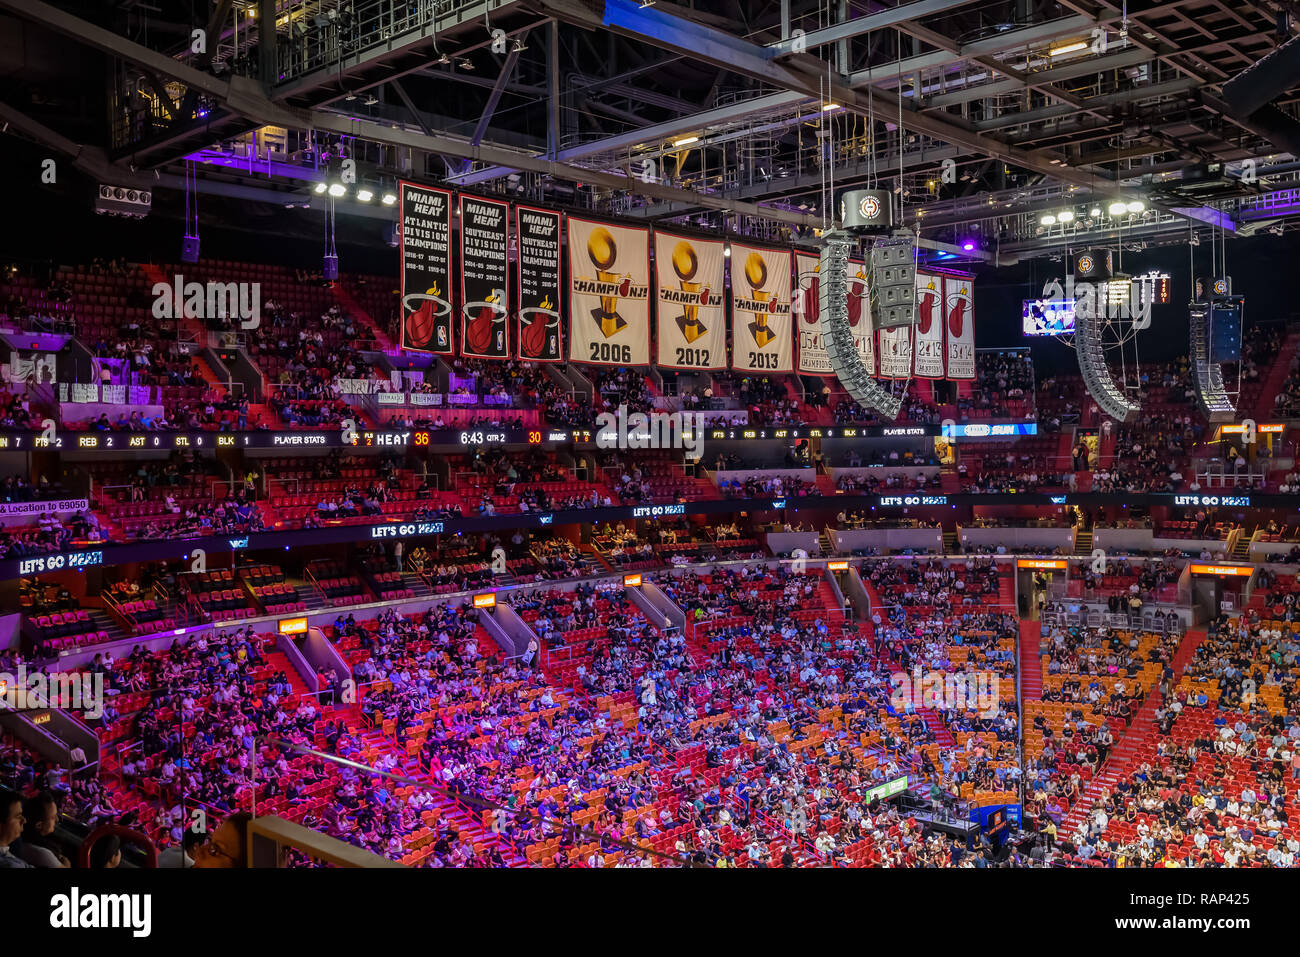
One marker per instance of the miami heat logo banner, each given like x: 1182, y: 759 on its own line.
x: 689, y: 300
x: 860, y: 313
x: 813, y: 359
x: 609, y: 301
x: 961, y: 327
x: 425, y: 215
x: 538, y: 337
x: 761, y: 337
x: 484, y: 304
x: 929, y: 348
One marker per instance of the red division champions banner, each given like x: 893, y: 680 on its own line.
x: 958, y: 297
x: 484, y: 303
x: 425, y: 215
x: 761, y: 337
x: 538, y: 285
x: 928, y: 362
x: 609, y: 293
x: 689, y: 302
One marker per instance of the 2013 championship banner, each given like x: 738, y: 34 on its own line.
x: 425, y: 217
x: 761, y: 336
x: 609, y: 293
x: 538, y: 285
x: 484, y: 302
x: 690, y: 302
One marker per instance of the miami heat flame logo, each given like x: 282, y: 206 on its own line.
x: 1086, y: 264
x: 928, y: 298
x: 957, y: 311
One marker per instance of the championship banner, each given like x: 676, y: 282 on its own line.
x: 484, y: 302
x: 929, y: 348
x: 425, y: 215
x: 896, y: 352
x: 813, y: 359
x: 609, y: 294
x: 538, y: 336
x: 689, y: 314
x: 961, y: 327
x: 761, y: 336
x: 860, y: 314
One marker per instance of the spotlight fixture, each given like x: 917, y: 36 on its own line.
x: 1118, y: 209
x: 1064, y: 216
x: 464, y: 63
x: 519, y: 45
x: 365, y: 194
x: 1136, y: 206
x: 320, y: 187
x: 1048, y: 220
x: 686, y: 141
x: 389, y: 198
x: 1095, y: 212
x: 968, y: 246
x: 337, y: 189
x: 443, y: 60
x: 371, y: 100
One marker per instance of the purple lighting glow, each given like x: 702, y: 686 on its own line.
x: 968, y: 247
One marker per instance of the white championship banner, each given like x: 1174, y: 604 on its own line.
x: 609, y: 293
x: 813, y: 359
x: 896, y: 352
x: 690, y: 318
x: 761, y: 336
x: 860, y: 314
x: 959, y: 313
x: 928, y: 362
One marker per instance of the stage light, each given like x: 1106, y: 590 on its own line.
x: 686, y: 141
x: 365, y: 195
x: 1118, y: 209
x: 320, y: 188
x: 1064, y: 216
x: 968, y: 246
x: 1048, y: 220
x: 1094, y: 212
x: 1074, y: 47
x: 337, y: 189
x: 830, y: 106
x: 389, y: 198
x: 1136, y: 206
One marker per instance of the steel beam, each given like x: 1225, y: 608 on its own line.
x: 859, y: 26
x: 507, y: 70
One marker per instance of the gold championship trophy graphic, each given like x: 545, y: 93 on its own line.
x: 756, y: 276
x: 603, y: 253
x: 685, y: 264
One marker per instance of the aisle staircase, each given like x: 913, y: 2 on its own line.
x: 1031, y: 667
x: 1130, y: 744
x: 1082, y: 541
x: 348, y: 303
